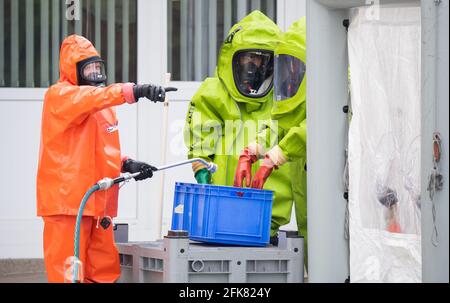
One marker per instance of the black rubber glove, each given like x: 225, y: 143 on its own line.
x: 154, y: 93
x: 132, y: 166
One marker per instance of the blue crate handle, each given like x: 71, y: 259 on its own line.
x: 241, y: 194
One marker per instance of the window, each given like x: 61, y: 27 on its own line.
x: 197, y: 28
x: 31, y: 32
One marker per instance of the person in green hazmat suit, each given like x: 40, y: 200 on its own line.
x: 229, y: 110
x: 286, y: 135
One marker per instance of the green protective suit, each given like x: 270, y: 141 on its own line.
x: 221, y: 121
x: 290, y: 116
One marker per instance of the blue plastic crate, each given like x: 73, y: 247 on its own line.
x: 222, y: 214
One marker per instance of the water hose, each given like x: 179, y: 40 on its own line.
x: 77, y: 228
x: 105, y: 184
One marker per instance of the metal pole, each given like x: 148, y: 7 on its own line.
x: 125, y: 40
x: 435, y: 47
x: 212, y: 39
x: 14, y: 44
x: 29, y: 43
x: 55, y: 40
x: 2, y: 45
x: 45, y: 48
x: 328, y: 255
x: 160, y: 205
x: 111, y: 34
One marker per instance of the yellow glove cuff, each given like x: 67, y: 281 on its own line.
x: 196, y: 166
x: 277, y: 156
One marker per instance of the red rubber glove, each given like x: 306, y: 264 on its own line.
x: 244, y: 168
x: 263, y: 173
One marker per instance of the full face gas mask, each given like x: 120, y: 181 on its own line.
x: 91, y: 71
x: 289, y: 74
x: 253, y: 72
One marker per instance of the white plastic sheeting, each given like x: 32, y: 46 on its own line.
x: 384, y: 145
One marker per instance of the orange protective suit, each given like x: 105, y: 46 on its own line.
x: 98, y: 252
x: 79, y: 146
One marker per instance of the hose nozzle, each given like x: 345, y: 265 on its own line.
x: 212, y: 167
x: 105, y: 183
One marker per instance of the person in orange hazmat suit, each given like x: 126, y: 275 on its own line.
x: 79, y: 146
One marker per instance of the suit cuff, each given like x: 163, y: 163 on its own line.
x: 277, y: 156
x: 128, y: 93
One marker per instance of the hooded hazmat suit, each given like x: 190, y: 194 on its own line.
x: 79, y: 146
x: 289, y: 112
x: 221, y: 120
